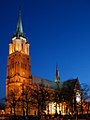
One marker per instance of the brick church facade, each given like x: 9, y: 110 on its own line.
x: 19, y: 78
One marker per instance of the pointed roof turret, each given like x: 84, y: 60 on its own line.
x: 57, y: 78
x: 19, y: 29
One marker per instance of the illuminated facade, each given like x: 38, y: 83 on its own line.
x: 18, y: 68
x: 61, y: 108
x: 19, y: 77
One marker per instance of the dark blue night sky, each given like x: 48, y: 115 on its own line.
x: 58, y: 32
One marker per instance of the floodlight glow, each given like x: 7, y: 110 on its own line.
x: 78, y: 99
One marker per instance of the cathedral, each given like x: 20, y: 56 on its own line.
x: 19, y: 76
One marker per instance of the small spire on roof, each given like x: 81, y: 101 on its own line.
x: 57, y: 79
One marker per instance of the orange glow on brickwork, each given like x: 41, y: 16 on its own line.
x: 18, y: 69
x: 20, y: 45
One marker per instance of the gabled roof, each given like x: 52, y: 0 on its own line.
x: 64, y: 86
x: 69, y: 88
x: 69, y: 84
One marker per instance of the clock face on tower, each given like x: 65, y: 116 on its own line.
x: 78, y: 97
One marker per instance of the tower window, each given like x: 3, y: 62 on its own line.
x: 12, y: 65
x: 22, y: 46
x: 24, y: 60
x: 27, y: 58
x: 18, y: 80
x: 24, y: 66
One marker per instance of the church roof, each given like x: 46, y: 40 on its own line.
x: 69, y: 88
x: 69, y: 84
x: 64, y: 86
x: 44, y: 82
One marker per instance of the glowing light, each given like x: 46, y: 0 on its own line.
x: 78, y: 97
x: 52, y: 108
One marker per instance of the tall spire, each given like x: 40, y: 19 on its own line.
x: 19, y: 29
x: 57, y: 78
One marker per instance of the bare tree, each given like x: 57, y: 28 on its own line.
x: 85, y: 94
x: 85, y: 91
x: 12, y: 99
x: 25, y: 98
x: 41, y: 96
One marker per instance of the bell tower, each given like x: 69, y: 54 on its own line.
x: 19, y: 67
